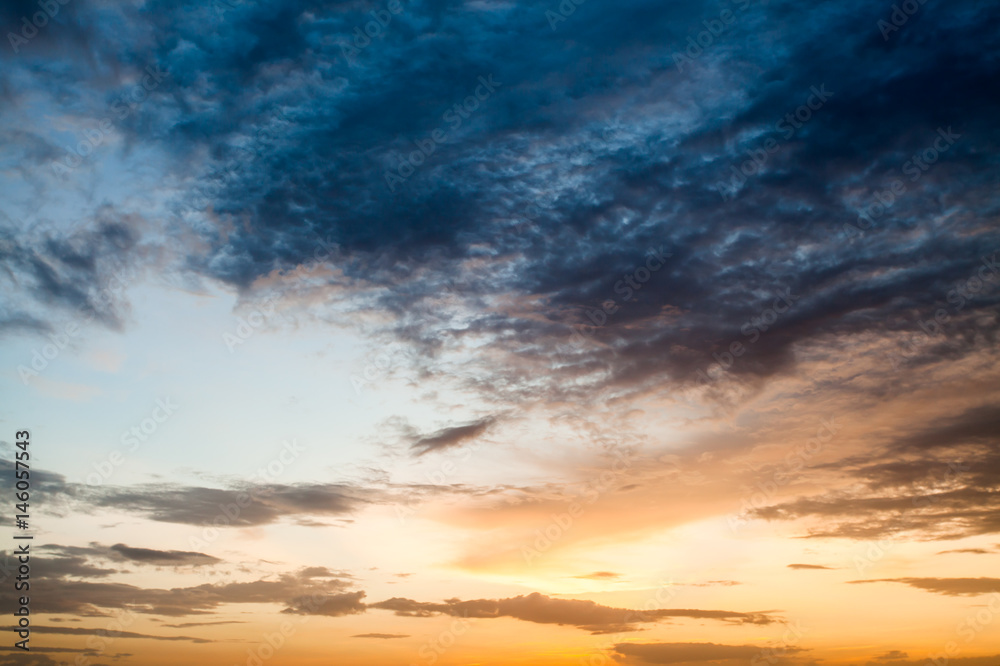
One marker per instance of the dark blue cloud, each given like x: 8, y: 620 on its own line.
x: 606, y: 134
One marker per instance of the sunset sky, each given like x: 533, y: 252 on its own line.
x: 489, y: 333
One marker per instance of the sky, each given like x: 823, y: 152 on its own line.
x: 491, y: 333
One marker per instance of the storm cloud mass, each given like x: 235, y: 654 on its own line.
x: 592, y: 146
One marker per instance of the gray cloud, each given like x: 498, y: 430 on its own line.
x: 163, y: 557
x: 892, y: 655
x: 678, y: 653
x: 262, y: 504
x: 62, y: 592
x: 957, y: 661
x: 377, y: 635
x: 943, y: 478
x: 953, y: 587
x: 330, y: 605
x: 450, y: 437
x: 84, y: 631
x: 600, y: 575
x: 542, y: 609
